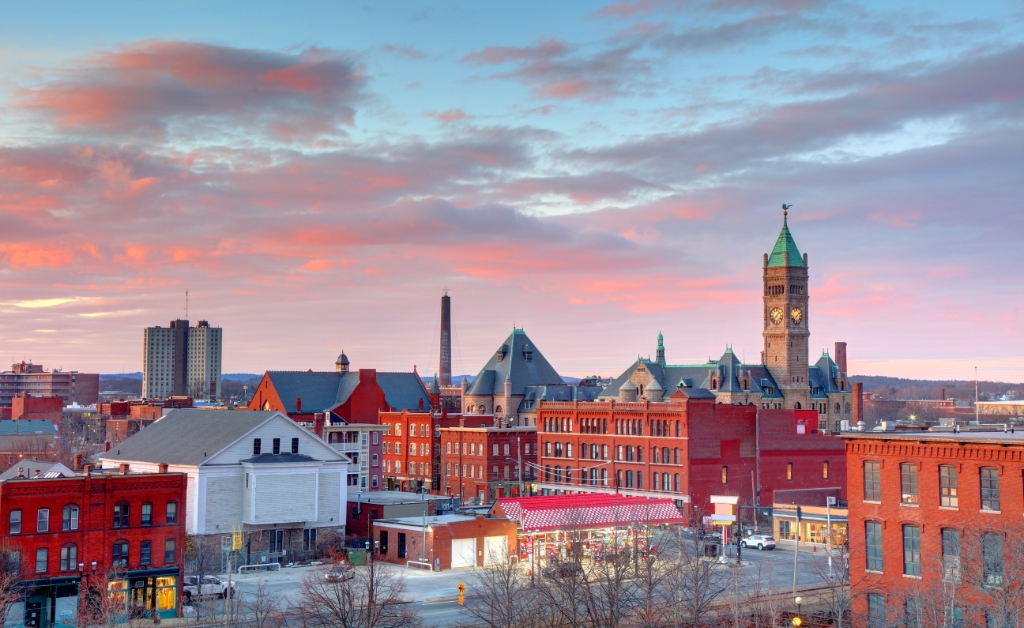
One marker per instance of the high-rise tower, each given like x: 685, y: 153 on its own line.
x: 445, y: 368
x: 786, y: 318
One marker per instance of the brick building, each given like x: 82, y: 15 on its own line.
x: 71, y: 386
x: 365, y: 508
x: 445, y: 541
x: 933, y: 511
x: 412, y: 448
x: 686, y: 448
x: 27, y: 407
x: 345, y: 395
x: 96, y: 533
x: 364, y: 446
x: 483, y: 463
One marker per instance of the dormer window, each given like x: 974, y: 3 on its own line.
x: 528, y: 354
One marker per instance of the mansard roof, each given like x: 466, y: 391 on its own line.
x: 519, y: 360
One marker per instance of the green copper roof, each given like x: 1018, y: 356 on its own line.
x: 783, y: 245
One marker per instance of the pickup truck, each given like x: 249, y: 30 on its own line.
x: 211, y: 586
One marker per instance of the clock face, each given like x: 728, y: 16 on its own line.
x: 797, y: 315
x: 776, y: 315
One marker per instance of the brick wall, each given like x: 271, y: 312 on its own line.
x: 439, y: 539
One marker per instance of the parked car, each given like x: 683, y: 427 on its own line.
x: 339, y: 573
x: 760, y: 541
x: 563, y: 570
x: 211, y: 586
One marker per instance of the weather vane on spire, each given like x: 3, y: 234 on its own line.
x: 785, y: 209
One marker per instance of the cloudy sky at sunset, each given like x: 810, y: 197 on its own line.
x: 315, y: 173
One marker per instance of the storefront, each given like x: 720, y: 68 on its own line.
x: 145, y: 594
x: 50, y: 602
x: 813, y: 526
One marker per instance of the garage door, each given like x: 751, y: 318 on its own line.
x: 463, y: 553
x: 495, y: 550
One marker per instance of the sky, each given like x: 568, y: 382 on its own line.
x: 315, y: 174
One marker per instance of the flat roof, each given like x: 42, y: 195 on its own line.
x: 431, y: 521
x: 992, y: 437
x: 385, y: 498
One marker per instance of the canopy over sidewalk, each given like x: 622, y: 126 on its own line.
x: 585, y: 512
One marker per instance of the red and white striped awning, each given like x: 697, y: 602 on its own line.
x: 586, y: 511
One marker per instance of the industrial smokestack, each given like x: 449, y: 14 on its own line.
x: 841, y: 356
x: 445, y: 368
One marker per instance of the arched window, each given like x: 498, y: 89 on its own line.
x: 121, y: 515
x: 497, y: 409
x: 664, y: 456
x: 679, y: 429
x: 120, y: 556
x: 629, y: 479
x: 604, y: 477
x: 448, y: 447
x: 583, y: 450
x: 398, y: 429
x: 568, y: 450
x: 69, y: 520
x: 558, y: 475
x: 675, y: 456
x: 796, y: 406
x: 665, y: 486
x: 655, y: 484
x: 640, y: 480
x: 69, y: 557
x: 568, y: 475
x: 675, y: 483
x: 789, y: 470
x: 605, y: 426
x: 618, y: 478
x: 547, y: 473
x: 838, y: 407
x: 172, y: 513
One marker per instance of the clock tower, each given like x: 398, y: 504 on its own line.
x: 786, y: 319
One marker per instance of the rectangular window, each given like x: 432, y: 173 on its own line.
x: 908, y: 482
x: 145, y: 553
x: 911, y: 550
x: 15, y: 522
x: 789, y: 470
x: 43, y: 520
x: 68, y: 557
x: 42, y: 555
x: 374, y: 460
x: 494, y: 449
x: 147, y: 514
x: 295, y: 445
x: 376, y: 437
x: 277, y: 446
x: 169, y: 552
x: 992, y: 558
x: 70, y: 519
x: 872, y: 481
x: 526, y: 449
x: 948, y: 486
x: 873, y: 536
x: 989, y: 488
x: 725, y: 475
x: 951, y: 554
x: 256, y: 445
x: 375, y: 481
x: 506, y: 449
x: 172, y: 509
x: 824, y: 470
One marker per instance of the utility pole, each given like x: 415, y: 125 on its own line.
x: 519, y: 463
x: 976, y: 412
x: 828, y: 531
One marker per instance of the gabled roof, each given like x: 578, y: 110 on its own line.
x: 28, y: 468
x: 188, y: 436
x: 823, y: 377
x: 519, y: 360
x: 693, y: 377
x: 785, y: 244
x: 323, y: 390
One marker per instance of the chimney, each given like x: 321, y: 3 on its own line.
x: 298, y: 405
x: 421, y: 404
x: 77, y: 462
x: 841, y: 356
x: 161, y: 468
x: 106, y: 445
x: 445, y: 367
x: 857, y: 392
x: 318, y: 424
x: 124, y: 468
x: 942, y: 394
x: 87, y: 469
x: 462, y: 421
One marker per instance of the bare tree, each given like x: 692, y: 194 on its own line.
x: 693, y: 582
x: 372, y: 598
x: 504, y: 597
x: 202, y: 558
x: 991, y: 563
x: 11, y: 591
x: 261, y: 609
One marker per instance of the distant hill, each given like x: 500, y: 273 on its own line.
x: 108, y: 376
x: 902, y: 388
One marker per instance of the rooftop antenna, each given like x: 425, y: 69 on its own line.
x: 186, y: 303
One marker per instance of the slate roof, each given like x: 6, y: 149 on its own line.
x: 560, y: 512
x: 785, y: 244
x: 28, y: 426
x: 324, y: 390
x: 693, y: 378
x: 187, y: 436
x: 511, y: 360
x: 563, y: 392
x: 823, y: 377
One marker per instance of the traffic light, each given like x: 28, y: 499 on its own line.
x: 462, y: 591
x: 799, y: 513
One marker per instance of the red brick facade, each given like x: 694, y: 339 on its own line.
x: 402, y: 540
x: 684, y: 449
x: 47, y: 408
x: 482, y: 463
x: 895, y: 486
x: 68, y: 532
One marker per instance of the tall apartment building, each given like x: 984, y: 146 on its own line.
x: 182, y: 361
x: 204, y: 353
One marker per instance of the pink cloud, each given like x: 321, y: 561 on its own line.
x: 143, y: 89
x: 450, y: 115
